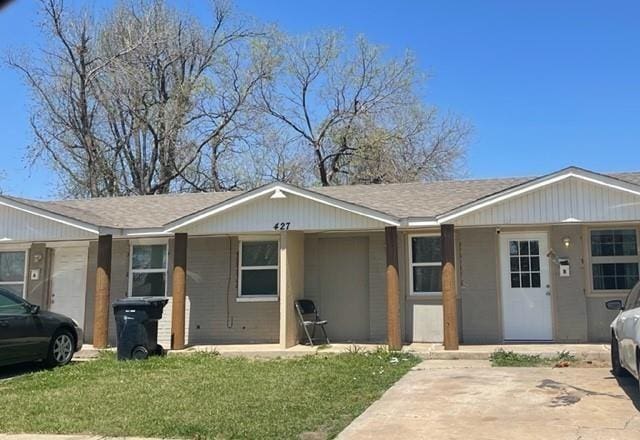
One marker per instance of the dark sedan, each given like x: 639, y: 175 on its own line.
x: 28, y: 334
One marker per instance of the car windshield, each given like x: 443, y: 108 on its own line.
x: 632, y: 298
x: 10, y: 303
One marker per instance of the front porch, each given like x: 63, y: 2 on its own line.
x: 355, y: 278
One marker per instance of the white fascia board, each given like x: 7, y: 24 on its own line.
x: 586, y: 176
x: 329, y: 201
x: 365, y: 212
x: 49, y: 216
x: 422, y: 223
x: 147, y: 233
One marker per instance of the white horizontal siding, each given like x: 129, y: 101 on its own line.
x: 260, y: 215
x: 566, y: 201
x: 21, y: 226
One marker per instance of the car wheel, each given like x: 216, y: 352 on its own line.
x: 140, y: 353
x: 61, y: 348
x: 616, y: 367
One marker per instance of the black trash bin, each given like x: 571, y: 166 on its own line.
x: 137, y: 326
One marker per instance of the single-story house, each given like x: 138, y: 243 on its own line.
x: 460, y: 261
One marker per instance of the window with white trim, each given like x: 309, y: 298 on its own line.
x: 426, y: 265
x: 258, y: 277
x: 148, y: 270
x: 13, y: 267
x: 614, y: 259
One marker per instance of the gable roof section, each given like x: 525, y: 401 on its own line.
x: 271, y: 188
x: 611, y: 182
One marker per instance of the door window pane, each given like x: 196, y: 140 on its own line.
x: 535, y: 279
x: 535, y: 264
x: 427, y: 279
x: 525, y: 269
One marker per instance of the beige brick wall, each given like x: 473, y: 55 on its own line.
x: 478, y: 285
x: 212, y: 288
x: 569, y: 299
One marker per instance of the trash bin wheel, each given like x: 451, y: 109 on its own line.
x: 139, y: 353
x: 159, y: 350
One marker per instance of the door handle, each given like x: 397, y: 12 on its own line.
x: 548, y: 293
x: 4, y: 324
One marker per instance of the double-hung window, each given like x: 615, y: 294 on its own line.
x: 426, y: 265
x: 258, y: 270
x: 12, y: 271
x: 614, y: 259
x: 148, y: 270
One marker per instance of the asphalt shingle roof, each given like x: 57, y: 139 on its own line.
x: 401, y: 200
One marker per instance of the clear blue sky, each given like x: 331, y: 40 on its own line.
x: 546, y: 83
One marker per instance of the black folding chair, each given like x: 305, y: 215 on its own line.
x: 309, y: 317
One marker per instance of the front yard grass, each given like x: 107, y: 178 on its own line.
x: 502, y: 358
x: 201, y: 396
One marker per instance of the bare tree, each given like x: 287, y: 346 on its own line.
x: 147, y: 100
x: 136, y: 102
x: 360, y: 113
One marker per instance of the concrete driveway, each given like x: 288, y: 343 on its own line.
x: 471, y: 400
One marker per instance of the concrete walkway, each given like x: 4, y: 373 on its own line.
x: 444, y: 400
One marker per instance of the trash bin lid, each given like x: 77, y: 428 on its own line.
x: 141, y: 301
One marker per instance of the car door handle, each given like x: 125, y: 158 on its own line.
x: 4, y: 324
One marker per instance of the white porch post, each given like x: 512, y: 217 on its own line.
x: 291, y: 285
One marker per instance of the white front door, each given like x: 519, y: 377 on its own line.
x: 526, y: 288
x: 69, y: 282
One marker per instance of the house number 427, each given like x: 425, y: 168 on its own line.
x: 281, y: 226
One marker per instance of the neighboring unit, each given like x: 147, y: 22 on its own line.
x: 467, y: 261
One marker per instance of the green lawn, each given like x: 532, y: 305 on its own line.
x: 201, y: 396
x: 502, y: 358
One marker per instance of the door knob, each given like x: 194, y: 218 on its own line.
x: 548, y: 293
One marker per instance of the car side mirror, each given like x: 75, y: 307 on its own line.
x: 33, y: 309
x: 614, y: 304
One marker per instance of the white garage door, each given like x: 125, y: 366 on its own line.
x: 69, y: 282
